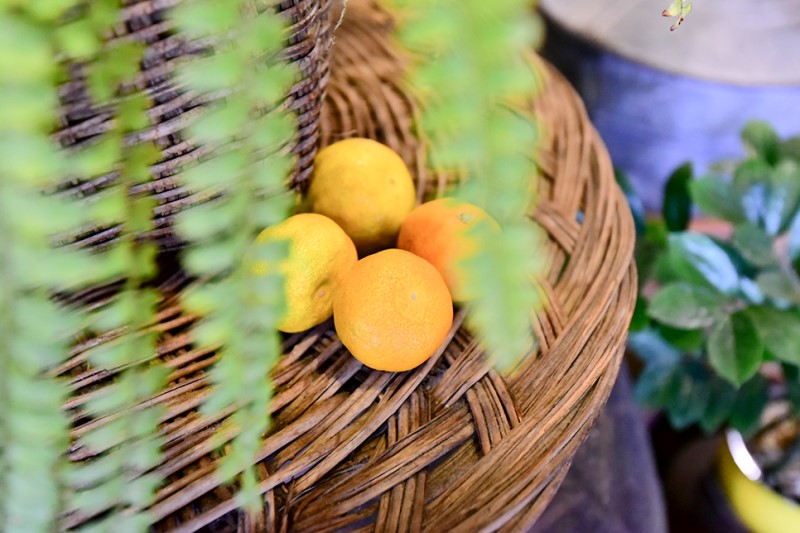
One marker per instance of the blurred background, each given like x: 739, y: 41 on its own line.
x: 661, y: 99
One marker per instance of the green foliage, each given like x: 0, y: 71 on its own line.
x: 677, y: 202
x: 722, y: 307
x: 248, y: 133
x: 125, y: 446
x: 34, y: 330
x: 471, y: 73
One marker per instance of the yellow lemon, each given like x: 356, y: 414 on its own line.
x: 320, y: 254
x: 366, y: 188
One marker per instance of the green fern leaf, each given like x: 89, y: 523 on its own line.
x: 470, y: 70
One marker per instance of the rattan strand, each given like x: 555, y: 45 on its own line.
x: 174, y: 107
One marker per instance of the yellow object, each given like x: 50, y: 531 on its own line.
x: 320, y: 254
x: 758, y: 507
x: 439, y: 232
x: 366, y: 188
x: 392, y: 311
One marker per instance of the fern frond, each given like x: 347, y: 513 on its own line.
x: 471, y: 73
x: 249, y: 167
x: 115, y: 483
x: 35, y: 331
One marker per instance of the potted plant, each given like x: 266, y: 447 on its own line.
x: 717, y: 325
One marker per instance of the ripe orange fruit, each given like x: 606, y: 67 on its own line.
x: 392, y: 311
x: 366, y: 188
x: 320, y: 254
x: 439, y: 232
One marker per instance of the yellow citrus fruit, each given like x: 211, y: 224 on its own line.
x: 439, y: 232
x: 320, y: 254
x: 366, y: 188
x: 392, y: 311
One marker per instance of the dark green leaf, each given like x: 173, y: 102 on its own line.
x: 639, y: 321
x: 734, y: 348
x: 685, y: 306
x: 754, y: 244
x: 749, y: 405
x: 634, y: 201
x: 717, y: 199
x: 760, y: 137
x: 686, y: 340
x: 677, y: 202
x: 779, y: 330
x: 697, y: 257
x: 656, y: 232
x: 691, y: 397
x: 721, y: 400
x: 656, y: 385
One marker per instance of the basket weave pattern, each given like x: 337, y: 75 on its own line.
x: 451, y: 445
x: 174, y: 106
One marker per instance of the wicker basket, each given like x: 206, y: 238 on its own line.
x: 451, y: 445
x: 174, y: 107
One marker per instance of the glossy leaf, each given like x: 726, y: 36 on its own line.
x: 639, y: 321
x: 717, y: 199
x: 734, y: 348
x: 779, y: 330
x: 685, y: 306
x: 677, y: 208
x: 657, y: 383
x: 698, y: 257
x: 721, y: 400
x: 753, y: 244
x: 779, y: 286
x: 689, y: 341
x: 749, y: 405
x: 691, y: 395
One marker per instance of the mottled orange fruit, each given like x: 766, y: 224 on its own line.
x: 320, y: 254
x: 392, y: 311
x: 439, y: 232
x: 366, y: 188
